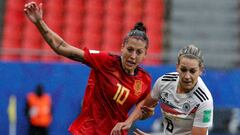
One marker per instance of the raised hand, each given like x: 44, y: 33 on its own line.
x: 33, y: 11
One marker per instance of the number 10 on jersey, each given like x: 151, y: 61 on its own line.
x: 121, y: 95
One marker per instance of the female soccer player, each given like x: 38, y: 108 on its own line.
x: 185, y: 101
x: 116, y: 83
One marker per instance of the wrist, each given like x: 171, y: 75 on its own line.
x: 39, y: 22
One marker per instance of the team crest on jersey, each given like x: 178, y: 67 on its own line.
x: 137, y: 87
x: 186, y: 107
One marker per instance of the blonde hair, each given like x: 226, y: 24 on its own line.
x: 191, y: 51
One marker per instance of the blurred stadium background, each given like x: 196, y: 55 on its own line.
x: 26, y: 60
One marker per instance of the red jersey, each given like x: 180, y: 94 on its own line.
x: 109, y: 95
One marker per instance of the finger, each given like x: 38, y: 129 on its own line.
x: 30, y: 5
x: 116, y: 130
x: 125, y: 127
x: 139, y: 131
x: 40, y: 5
x: 147, y: 108
x: 40, y: 8
x: 25, y: 11
x: 136, y: 133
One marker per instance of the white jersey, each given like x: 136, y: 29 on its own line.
x: 183, y: 111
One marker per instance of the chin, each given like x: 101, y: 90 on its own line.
x: 188, y: 88
x: 130, y: 67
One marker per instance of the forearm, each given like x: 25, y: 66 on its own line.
x: 135, y: 115
x: 58, y: 44
x: 53, y: 40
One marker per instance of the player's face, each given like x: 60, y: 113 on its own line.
x: 189, y: 71
x: 133, y: 53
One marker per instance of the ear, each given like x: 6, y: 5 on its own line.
x: 201, y: 70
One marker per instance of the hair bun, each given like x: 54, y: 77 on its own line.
x: 139, y: 26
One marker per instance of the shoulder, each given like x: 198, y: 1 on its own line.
x: 169, y: 77
x: 202, y: 93
x: 166, y: 81
x: 144, y: 73
x: 97, y: 53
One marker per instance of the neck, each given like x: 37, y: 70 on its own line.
x: 181, y: 90
x: 130, y: 72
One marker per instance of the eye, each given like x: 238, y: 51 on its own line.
x: 183, y: 69
x: 192, y: 71
x: 139, y: 52
x: 130, y: 49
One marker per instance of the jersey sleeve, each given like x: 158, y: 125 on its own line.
x: 155, y: 93
x: 94, y: 58
x: 204, y: 115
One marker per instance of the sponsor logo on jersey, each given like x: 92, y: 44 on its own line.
x: 137, y: 87
x: 207, y: 116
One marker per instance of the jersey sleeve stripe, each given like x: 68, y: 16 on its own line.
x: 169, y: 79
x: 172, y: 74
x: 203, y: 93
x: 198, y: 96
x: 169, y: 76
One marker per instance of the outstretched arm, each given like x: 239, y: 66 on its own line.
x: 34, y: 13
x: 143, y: 110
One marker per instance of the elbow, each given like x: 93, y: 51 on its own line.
x: 58, y: 52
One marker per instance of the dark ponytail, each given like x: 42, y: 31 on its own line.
x: 138, y: 32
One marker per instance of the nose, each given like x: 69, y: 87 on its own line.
x: 187, y: 75
x: 133, y: 55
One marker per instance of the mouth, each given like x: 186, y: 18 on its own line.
x: 187, y: 83
x: 130, y: 63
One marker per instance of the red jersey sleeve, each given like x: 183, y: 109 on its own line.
x: 94, y: 58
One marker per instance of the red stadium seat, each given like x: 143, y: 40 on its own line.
x: 157, y: 5
x: 92, y: 40
x: 112, y: 42
x: 114, y: 9
x: 154, y: 21
x: 12, y: 31
x: 73, y: 35
x: 93, y: 24
x: 134, y: 8
x: 94, y: 6
x: 55, y: 6
x: 55, y: 21
x: 129, y: 23
x: 11, y: 44
x: 15, y: 4
x: 31, y: 43
x: 113, y: 26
